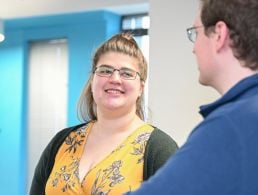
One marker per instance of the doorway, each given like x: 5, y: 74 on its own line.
x: 47, y: 96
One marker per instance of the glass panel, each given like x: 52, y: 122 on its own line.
x: 135, y: 22
x: 47, y: 105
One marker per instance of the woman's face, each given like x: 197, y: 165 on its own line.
x: 114, y: 93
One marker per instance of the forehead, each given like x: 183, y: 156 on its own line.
x: 197, y: 19
x: 118, y: 60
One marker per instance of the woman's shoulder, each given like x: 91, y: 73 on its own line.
x: 159, y: 148
x: 160, y: 138
x: 62, y: 134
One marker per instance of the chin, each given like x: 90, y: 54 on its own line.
x: 205, y: 83
x: 202, y: 82
x: 113, y: 106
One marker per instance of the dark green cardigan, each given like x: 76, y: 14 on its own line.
x: 159, y: 148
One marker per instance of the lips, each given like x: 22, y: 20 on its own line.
x: 114, y: 91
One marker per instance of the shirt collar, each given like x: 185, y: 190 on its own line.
x: 243, y: 87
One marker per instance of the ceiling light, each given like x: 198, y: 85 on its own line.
x: 1, y: 30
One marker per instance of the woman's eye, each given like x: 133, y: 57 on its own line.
x: 109, y: 71
x: 106, y: 71
x: 127, y: 74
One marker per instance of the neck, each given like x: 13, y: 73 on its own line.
x: 231, y: 80
x: 118, y: 124
x: 229, y: 72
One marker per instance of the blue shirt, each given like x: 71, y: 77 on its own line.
x: 220, y: 156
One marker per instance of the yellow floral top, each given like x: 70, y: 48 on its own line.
x: 120, y: 171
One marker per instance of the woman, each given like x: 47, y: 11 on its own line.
x: 115, y: 150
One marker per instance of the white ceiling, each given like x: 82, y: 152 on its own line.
x: 11, y: 9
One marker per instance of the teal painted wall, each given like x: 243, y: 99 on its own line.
x: 84, y: 32
x: 11, y: 77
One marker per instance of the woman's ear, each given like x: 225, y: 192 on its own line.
x: 141, y: 88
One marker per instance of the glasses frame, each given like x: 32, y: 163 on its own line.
x: 115, y: 69
x: 192, y: 33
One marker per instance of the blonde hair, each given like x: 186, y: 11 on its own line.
x: 122, y: 43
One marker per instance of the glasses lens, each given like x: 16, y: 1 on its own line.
x: 126, y: 73
x: 193, y: 35
x: 104, y: 71
x: 188, y: 31
x: 107, y: 71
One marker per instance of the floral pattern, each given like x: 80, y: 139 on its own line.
x: 67, y: 175
x: 108, y: 174
x: 111, y: 176
x: 139, y: 145
x: 76, y: 140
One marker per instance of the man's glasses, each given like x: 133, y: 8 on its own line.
x: 192, y: 33
x: 107, y: 71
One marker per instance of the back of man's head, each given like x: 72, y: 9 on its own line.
x: 241, y: 17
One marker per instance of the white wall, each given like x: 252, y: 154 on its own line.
x: 174, y: 92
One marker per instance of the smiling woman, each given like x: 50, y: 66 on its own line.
x: 115, y: 150
x: 121, y: 51
x: 118, y: 92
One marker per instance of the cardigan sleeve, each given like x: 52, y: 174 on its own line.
x: 40, y: 174
x: 46, y: 161
x: 159, y: 148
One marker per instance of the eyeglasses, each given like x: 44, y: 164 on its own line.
x: 192, y: 33
x: 107, y: 71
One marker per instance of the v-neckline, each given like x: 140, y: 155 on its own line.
x: 88, y: 130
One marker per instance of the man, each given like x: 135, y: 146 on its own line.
x: 220, y: 156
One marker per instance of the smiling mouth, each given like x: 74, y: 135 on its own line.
x: 114, y: 91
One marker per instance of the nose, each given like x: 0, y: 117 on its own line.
x: 193, y: 49
x: 115, y: 75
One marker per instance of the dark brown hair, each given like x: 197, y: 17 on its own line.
x: 241, y: 17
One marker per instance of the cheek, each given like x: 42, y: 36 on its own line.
x: 197, y: 47
x: 96, y: 83
x: 201, y: 51
x: 93, y: 85
x: 136, y: 89
x: 96, y: 86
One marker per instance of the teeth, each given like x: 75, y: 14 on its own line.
x: 115, y: 91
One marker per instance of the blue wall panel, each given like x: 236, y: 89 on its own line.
x: 11, y: 73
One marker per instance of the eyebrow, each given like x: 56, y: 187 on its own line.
x: 105, y: 65
x: 110, y: 66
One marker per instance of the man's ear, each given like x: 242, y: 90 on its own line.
x: 221, y: 35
